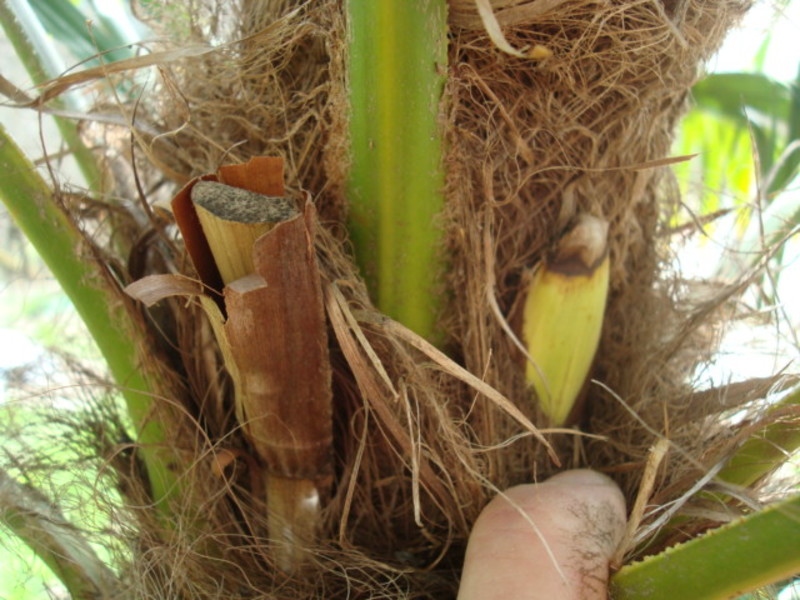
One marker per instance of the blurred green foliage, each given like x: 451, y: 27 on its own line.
x: 84, y: 29
x: 745, y: 128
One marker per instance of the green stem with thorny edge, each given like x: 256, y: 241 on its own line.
x: 727, y: 562
x: 398, y: 55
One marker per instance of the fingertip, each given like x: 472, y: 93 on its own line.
x: 582, y: 477
x: 547, y: 540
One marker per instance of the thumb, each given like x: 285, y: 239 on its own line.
x: 546, y: 540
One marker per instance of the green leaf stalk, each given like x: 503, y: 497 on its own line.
x: 32, y: 206
x: 724, y: 563
x: 398, y: 55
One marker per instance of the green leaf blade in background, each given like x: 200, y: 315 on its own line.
x: 746, y: 129
x: 732, y: 94
x: 36, y: 66
x: 790, y: 158
x: 82, y: 36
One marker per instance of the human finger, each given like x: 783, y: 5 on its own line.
x: 547, y: 540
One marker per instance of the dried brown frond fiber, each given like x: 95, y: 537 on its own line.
x: 422, y: 437
x: 535, y: 143
x: 274, y: 87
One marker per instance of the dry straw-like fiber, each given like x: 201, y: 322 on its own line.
x: 530, y: 144
x: 419, y: 446
x: 535, y: 143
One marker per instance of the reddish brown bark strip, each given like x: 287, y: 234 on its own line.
x: 277, y: 335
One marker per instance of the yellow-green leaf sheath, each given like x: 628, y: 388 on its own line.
x: 563, y: 317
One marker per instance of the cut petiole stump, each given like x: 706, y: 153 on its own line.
x: 277, y: 337
x: 274, y: 340
x: 232, y: 220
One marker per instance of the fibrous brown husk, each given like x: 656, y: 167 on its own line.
x: 530, y: 144
x: 275, y: 86
x: 579, y: 131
